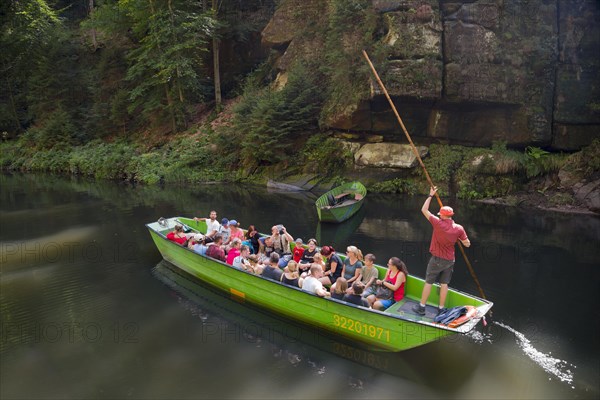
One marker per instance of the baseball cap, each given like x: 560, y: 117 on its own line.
x: 446, y: 211
x: 233, y: 222
x: 224, y: 221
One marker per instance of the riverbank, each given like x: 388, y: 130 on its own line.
x: 532, y: 178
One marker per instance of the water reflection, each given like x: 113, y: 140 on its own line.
x: 225, y: 317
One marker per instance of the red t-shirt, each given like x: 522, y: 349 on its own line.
x: 233, y: 253
x: 171, y: 236
x: 298, y: 251
x: 445, y: 234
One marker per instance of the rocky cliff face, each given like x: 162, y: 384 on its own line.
x: 472, y: 72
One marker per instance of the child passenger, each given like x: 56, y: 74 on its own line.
x: 369, y: 275
x: 355, y: 297
x: 298, y: 250
x: 339, y: 289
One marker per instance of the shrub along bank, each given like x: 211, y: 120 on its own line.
x: 467, y: 172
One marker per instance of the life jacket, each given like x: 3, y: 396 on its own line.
x: 450, y: 315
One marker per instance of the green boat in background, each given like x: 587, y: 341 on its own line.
x: 395, y: 329
x: 342, y: 202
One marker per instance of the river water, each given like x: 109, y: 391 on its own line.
x: 90, y: 310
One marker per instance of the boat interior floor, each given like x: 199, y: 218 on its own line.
x: 405, y: 308
x: 345, y: 203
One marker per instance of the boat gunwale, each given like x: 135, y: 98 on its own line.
x: 487, y: 306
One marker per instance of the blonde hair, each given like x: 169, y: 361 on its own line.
x: 293, y: 268
x: 356, y: 251
x: 318, y: 256
x: 341, y: 285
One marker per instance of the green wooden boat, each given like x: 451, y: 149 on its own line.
x: 342, y: 202
x: 394, y: 329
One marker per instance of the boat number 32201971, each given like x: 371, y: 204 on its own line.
x: 361, y: 328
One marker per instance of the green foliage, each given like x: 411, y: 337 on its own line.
x: 58, y: 131
x: 444, y: 161
x: 270, y: 122
x: 587, y: 161
x: 561, y: 199
x: 27, y: 29
x: 397, y: 185
x: 324, y: 156
x: 164, y: 63
x: 186, y: 159
x: 540, y: 162
x: 486, y: 186
x: 591, y: 157
x: 349, y: 30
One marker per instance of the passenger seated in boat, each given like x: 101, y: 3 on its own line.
x: 395, y: 278
x: 255, y: 266
x: 339, y: 289
x: 212, y: 225
x: 352, y: 266
x: 355, y: 297
x: 266, y: 248
x: 317, y: 259
x: 214, y: 249
x: 177, y: 235
x: 298, y: 250
x: 291, y: 277
x: 281, y: 244
x: 194, y: 239
x: 333, y: 266
x: 236, y: 231
x: 241, y: 260
x: 271, y: 269
x: 252, y: 236
x: 308, y: 256
x: 198, y: 245
x: 225, y: 232
x: 369, y: 275
x: 312, y: 284
x: 234, y: 251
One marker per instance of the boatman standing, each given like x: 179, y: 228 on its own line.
x: 441, y: 265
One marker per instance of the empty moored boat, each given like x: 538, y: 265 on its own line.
x: 342, y: 202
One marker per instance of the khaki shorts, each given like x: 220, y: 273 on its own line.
x: 439, y: 270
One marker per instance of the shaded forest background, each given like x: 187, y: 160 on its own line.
x: 130, y: 90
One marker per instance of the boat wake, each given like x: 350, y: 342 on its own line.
x: 559, y: 368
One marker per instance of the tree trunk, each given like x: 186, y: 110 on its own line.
x: 93, y: 31
x: 171, y: 108
x: 178, y: 84
x: 167, y: 93
x: 14, y: 107
x: 217, y: 74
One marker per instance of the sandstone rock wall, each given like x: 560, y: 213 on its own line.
x: 473, y: 72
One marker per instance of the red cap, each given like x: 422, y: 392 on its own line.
x: 446, y: 211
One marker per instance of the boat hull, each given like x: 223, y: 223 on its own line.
x: 340, y: 213
x: 371, y: 328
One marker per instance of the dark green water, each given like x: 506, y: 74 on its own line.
x: 89, y: 310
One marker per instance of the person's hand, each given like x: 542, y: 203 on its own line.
x: 378, y: 281
x: 432, y: 191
